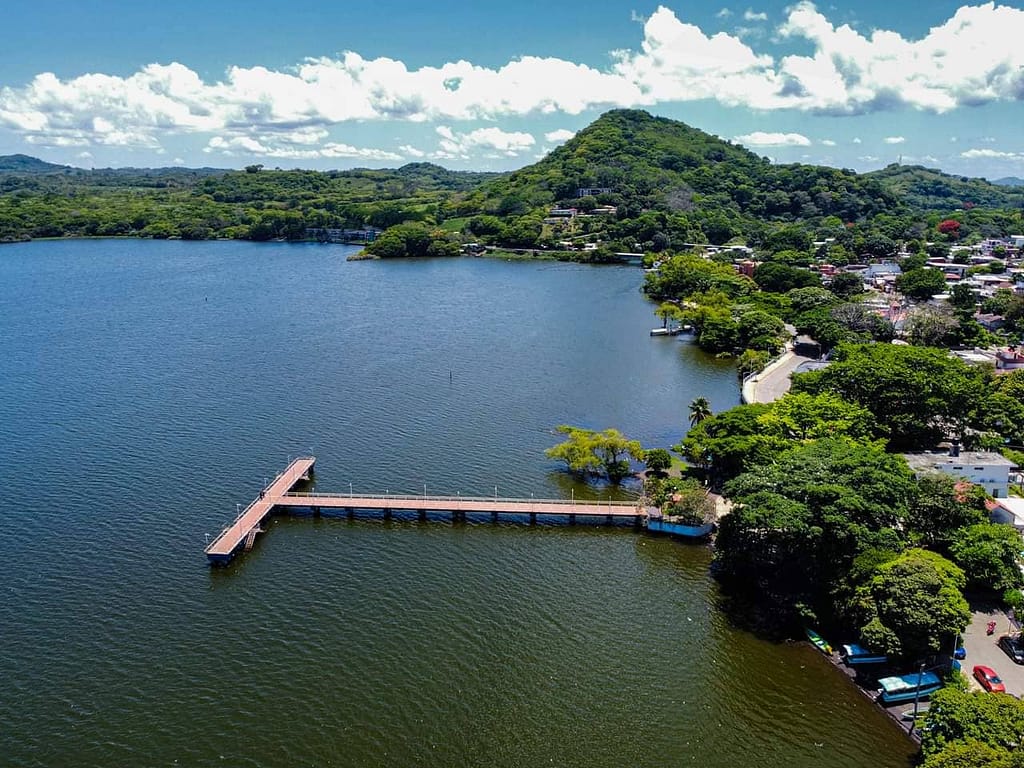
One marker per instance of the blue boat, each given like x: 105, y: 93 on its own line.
x: 908, y: 687
x: 656, y: 525
x: 857, y: 654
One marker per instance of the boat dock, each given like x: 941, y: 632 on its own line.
x: 241, y: 534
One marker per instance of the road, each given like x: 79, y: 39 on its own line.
x: 982, y: 649
x: 773, y: 382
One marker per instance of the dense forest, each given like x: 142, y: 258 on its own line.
x: 658, y: 184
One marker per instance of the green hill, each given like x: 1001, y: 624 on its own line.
x: 27, y: 164
x: 930, y: 189
x: 641, y: 162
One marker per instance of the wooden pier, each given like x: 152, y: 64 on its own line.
x: 241, y: 534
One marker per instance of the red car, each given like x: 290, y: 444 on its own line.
x: 989, y: 680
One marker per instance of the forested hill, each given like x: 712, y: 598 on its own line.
x: 27, y: 164
x: 928, y: 189
x: 647, y: 162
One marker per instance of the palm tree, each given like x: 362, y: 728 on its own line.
x: 700, y: 409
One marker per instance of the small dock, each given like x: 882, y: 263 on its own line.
x: 240, y: 535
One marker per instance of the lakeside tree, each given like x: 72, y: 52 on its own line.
x: 658, y: 461
x: 942, y: 505
x: 912, y: 606
x: 700, y: 409
x: 588, y: 452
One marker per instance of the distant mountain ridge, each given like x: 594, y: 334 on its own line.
x: 28, y: 164
x: 1010, y: 181
x: 932, y: 189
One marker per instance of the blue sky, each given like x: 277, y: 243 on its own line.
x: 495, y: 86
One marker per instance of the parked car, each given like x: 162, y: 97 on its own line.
x: 1013, y: 647
x: 989, y: 679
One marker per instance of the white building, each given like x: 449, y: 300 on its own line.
x: 1009, y: 510
x: 989, y: 470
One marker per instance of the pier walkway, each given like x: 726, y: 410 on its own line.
x: 241, y: 534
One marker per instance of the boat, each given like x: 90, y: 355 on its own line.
x: 818, y: 641
x: 660, y: 525
x: 916, y: 685
x: 857, y: 654
x: 909, y: 714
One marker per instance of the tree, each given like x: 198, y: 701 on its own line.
x: 940, y: 506
x: 995, y: 720
x: 921, y: 284
x: 658, y: 461
x: 588, y: 452
x: 962, y: 296
x: 757, y: 329
x: 912, y: 605
x: 918, y: 395
x: 254, y: 168
x: 806, y: 299
x: 990, y: 553
x: 779, y: 278
x: 930, y: 326
x: 669, y: 313
x: 750, y: 361
x: 801, y: 416
x: 700, y: 409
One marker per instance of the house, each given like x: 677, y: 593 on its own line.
x: 1009, y: 510
x: 1009, y: 359
x: 592, y: 191
x: 989, y: 470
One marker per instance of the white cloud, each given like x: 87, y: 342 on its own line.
x: 751, y: 15
x: 85, y: 155
x: 856, y: 140
x: 462, y: 145
x: 869, y: 158
x: 411, y: 151
x: 723, y: 13
x: 894, y: 139
x: 559, y: 136
x: 970, y: 58
x: 273, y: 146
x: 992, y: 154
x: 178, y: 161
x: 828, y: 143
x: 762, y: 139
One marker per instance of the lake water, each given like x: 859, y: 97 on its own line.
x: 146, y: 388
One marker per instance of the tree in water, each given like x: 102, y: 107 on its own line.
x: 700, y: 409
x: 587, y: 452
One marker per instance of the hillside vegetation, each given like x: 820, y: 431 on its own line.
x: 650, y: 183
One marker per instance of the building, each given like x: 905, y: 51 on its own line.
x: 989, y: 470
x: 592, y: 191
x: 1009, y: 510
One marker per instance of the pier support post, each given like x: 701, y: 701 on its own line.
x: 387, y: 513
x: 349, y: 512
x: 423, y: 515
x: 494, y: 517
x: 533, y: 518
x: 316, y: 511
x: 608, y: 520
x: 572, y: 519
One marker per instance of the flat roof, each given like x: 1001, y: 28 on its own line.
x: 940, y: 460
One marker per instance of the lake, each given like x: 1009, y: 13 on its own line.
x: 147, y: 388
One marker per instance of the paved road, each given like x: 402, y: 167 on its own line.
x: 772, y: 383
x: 982, y: 649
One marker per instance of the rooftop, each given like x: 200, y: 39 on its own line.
x: 926, y: 461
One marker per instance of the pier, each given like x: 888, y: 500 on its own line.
x: 241, y: 534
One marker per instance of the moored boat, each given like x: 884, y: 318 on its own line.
x: 857, y: 654
x: 818, y: 641
x: 908, y: 687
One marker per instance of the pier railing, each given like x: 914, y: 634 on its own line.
x: 457, y: 499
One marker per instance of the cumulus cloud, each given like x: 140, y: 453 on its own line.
x: 894, y: 139
x: 763, y: 139
x: 969, y: 59
x: 454, y: 145
x: 274, y: 146
x: 828, y: 143
x: 411, y: 151
x: 559, y: 136
x: 991, y: 154
x: 751, y: 15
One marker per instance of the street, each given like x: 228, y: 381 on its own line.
x: 982, y: 649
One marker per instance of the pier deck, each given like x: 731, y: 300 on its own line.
x: 241, y: 534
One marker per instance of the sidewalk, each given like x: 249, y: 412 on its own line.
x: 774, y: 381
